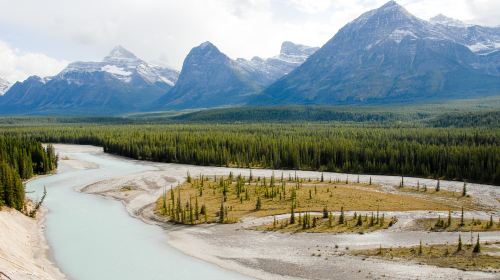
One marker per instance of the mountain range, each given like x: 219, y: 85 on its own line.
x: 121, y: 82
x: 209, y: 78
x: 386, y: 55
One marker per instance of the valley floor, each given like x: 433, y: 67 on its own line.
x: 275, y: 255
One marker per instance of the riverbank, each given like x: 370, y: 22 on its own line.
x: 274, y: 255
x: 24, y: 251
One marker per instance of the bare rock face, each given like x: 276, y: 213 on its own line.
x: 210, y: 79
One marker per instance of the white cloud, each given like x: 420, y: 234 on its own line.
x: 17, y: 65
x: 165, y: 30
x: 312, y: 6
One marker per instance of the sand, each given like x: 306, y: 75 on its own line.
x: 24, y: 252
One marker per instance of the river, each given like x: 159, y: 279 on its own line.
x: 93, y: 238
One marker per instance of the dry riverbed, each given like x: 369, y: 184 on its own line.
x: 275, y: 255
x: 256, y: 253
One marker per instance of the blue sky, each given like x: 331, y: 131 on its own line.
x: 41, y: 37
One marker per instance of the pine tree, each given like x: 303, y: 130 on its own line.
x: 258, y: 205
x: 322, y: 178
x: 477, y: 247
x: 359, y: 222
x: 459, y: 246
x: 449, y: 219
x: 464, y: 189
x: 341, y: 217
x: 221, y: 213
x: 292, y: 215
x: 196, y: 210
x: 438, y: 185
x: 462, y: 222
x: 370, y: 183
x: 420, y: 251
x: 325, y: 212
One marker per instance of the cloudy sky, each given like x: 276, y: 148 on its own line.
x: 41, y: 37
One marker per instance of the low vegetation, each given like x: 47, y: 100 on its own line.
x: 457, y: 224
x: 230, y: 198
x: 330, y: 223
x: 475, y: 256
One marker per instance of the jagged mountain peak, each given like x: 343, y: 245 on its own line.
x: 206, y: 48
x: 120, y: 53
x: 444, y: 20
x: 291, y: 49
x: 387, y: 15
x: 206, y: 52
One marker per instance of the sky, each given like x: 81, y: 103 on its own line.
x: 42, y: 37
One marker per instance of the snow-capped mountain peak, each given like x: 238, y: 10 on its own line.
x: 4, y: 86
x: 122, y: 65
x: 447, y: 21
x: 119, y: 53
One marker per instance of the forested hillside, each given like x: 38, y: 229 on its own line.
x: 21, y: 159
x: 471, y: 154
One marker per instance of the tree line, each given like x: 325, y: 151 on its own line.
x: 471, y: 154
x: 20, y: 159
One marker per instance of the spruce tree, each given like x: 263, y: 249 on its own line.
x: 359, y: 222
x: 341, y: 217
x: 196, y: 210
x: 459, y: 246
x: 258, y: 205
x: 464, y: 189
x: 325, y: 212
x: 462, y: 222
x: 438, y: 185
x: 221, y: 213
x: 449, y: 219
x: 292, y: 215
x: 477, y: 247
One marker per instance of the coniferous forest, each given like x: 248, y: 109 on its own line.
x: 470, y: 154
x: 20, y: 159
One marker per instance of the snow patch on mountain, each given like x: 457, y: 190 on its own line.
x: 4, y: 86
x: 122, y: 64
x: 115, y: 70
x: 447, y: 21
x: 399, y: 34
